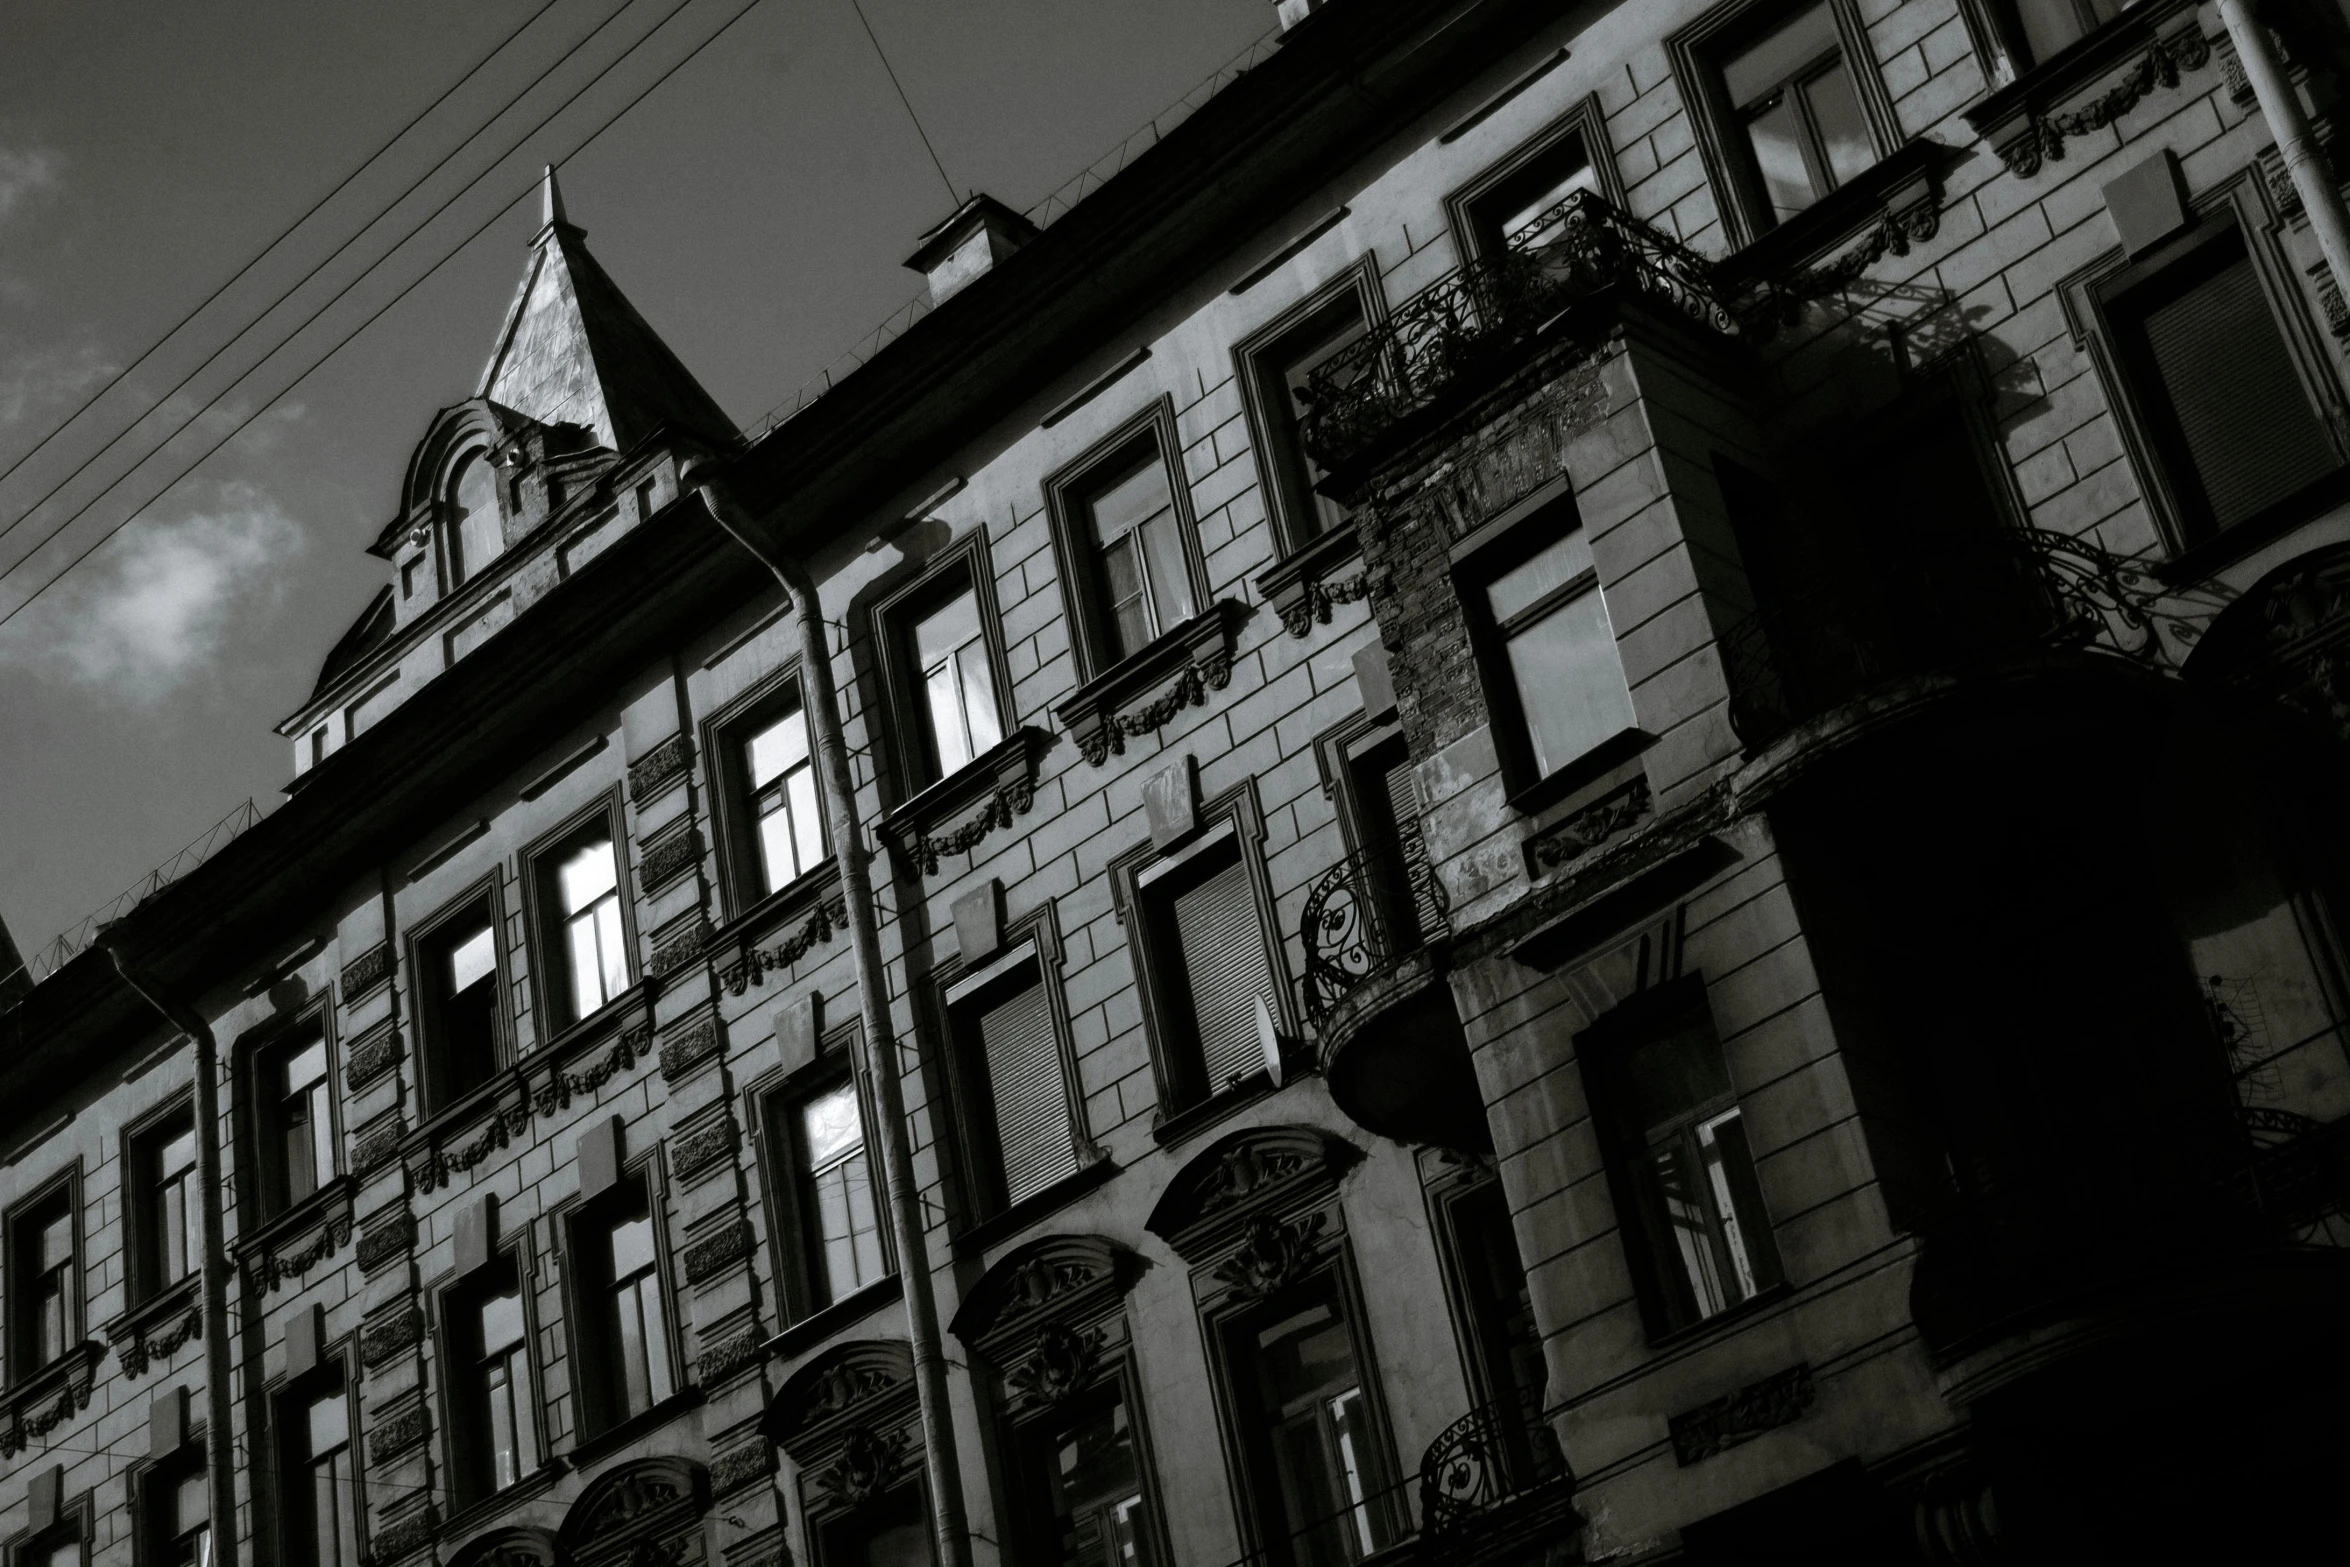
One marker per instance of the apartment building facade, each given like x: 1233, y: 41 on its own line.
x: 1596, y: 743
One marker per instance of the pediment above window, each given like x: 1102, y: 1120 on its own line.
x: 655, y: 1502
x: 1249, y: 1176
x: 1056, y: 1277
x: 863, y: 1383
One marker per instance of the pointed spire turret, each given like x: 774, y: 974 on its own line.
x: 573, y: 350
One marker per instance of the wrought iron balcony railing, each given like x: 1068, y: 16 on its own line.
x: 1468, y: 316
x: 1367, y: 912
x: 1990, y: 593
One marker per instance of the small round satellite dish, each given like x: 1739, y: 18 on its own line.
x: 1270, y: 1038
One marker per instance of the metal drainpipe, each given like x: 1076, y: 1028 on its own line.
x: 819, y: 699
x: 2280, y: 106
x: 212, y: 1273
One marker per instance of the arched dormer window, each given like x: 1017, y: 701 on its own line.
x: 476, y: 533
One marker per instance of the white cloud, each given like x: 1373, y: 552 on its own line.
x: 48, y: 381
x: 151, y: 610
x: 24, y: 174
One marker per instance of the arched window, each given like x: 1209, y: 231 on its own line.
x: 476, y: 534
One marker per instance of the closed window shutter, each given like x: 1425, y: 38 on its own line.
x: 2251, y: 436
x: 1024, y: 1078
x: 1226, y: 968
x: 1419, y: 876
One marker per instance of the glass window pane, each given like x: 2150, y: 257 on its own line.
x: 979, y: 698
x: 1170, y: 573
x: 475, y: 533
x: 1682, y: 1200
x: 1130, y: 613
x: 1726, y: 1132
x: 588, y: 874
x: 2049, y: 25
x: 830, y: 1125
x: 610, y: 942
x: 1570, y: 681
x: 190, y: 1506
x: 57, y: 1242
x: 501, y: 1323
x: 1095, y: 1488
x: 946, y: 718
x: 632, y: 1246
x: 330, y: 1424
x: 303, y: 1067
x: 1779, y: 55
x: 1777, y: 137
x: 807, y: 824
x: 587, y: 968
x: 1844, y: 129
x: 778, y: 856
x: 1526, y: 584
x: 1131, y: 501
x: 322, y: 1143
x: 938, y: 635
x: 1518, y: 226
x: 472, y: 959
x: 778, y: 748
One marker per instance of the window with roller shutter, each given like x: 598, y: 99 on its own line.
x: 1225, y: 970
x: 1018, y: 1108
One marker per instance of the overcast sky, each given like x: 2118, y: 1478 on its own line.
x: 756, y: 207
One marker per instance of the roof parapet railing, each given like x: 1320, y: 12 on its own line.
x: 74, y: 942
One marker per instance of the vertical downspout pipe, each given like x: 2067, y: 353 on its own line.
x: 212, y: 1272
x: 2305, y: 160
x: 819, y: 699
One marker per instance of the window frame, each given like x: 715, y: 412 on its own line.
x: 776, y: 1130
x: 260, y: 1131
x: 485, y: 896
x: 587, y: 1293
x: 1141, y: 892
x: 289, y: 1400
x: 893, y: 619
x: 461, y: 1293
x: 2093, y: 298
x: 1449, y: 1185
x: 963, y: 1066
x: 726, y: 741
x: 1509, y: 541
x: 447, y: 527
x: 1273, y: 437
x: 1027, y: 1500
x: 1626, y: 1150
x: 1585, y: 121
x: 65, y: 1187
x: 1997, y: 31
x: 142, y: 1140
x: 1696, y: 53
x: 76, y: 1521
x: 152, y: 1485
x: 544, y: 917
x: 1069, y: 490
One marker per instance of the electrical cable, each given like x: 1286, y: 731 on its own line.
x: 858, y: 7
x: 378, y: 314
x: 364, y: 274
x: 267, y: 250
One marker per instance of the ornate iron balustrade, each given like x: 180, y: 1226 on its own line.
x: 1996, y: 592
x: 1462, y: 320
x: 1481, y: 1462
x: 1364, y: 914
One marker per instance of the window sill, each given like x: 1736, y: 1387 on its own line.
x: 817, y: 1326
x: 613, y: 1438
x: 1689, y: 1335
x: 2224, y: 549
x: 287, y: 1246
x: 156, y: 1327
x: 993, y: 1231
x: 1601, y: 759
x: 1189, y: 1122
x: 1001, y: 783
x: 1298, y: 586
x: 2014, y: 119
x: 538, y: 1084
x: 474, y: 1514
x: 1190, y: 661
x: 794, y: 901
x: 1904, y: 188
x: 43, y: 1400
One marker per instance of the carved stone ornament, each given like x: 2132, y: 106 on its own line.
x: 380, y: 1341
x: 1316, y: 598
x: 2042, y: 137
x: 1277, y: 1170
x: 439, y: 1167
x: 508, y: 1547
x: 870, y: 1464
x: 386, y: 1242
x: 1777, y: 1400
x: 1182, y: 667
x: 1071, y: 1277
x: 1270, y: 1254
x: 1061, y: 1363
x: 673, y: 951
x: 406, y: 1537
x: 371, y: 1057
x: 397, y: 1433
x: 642, y: 1514
x: 272, y: 1267
x: 366, y: 971
x: 701, y: 1149
x: 1248, y: 1169
x: 653, y: 774
x: 987, y: 794
x: 156, y: 1329
x: 753, y: 967
x: 863, y: 1382
x: 705, y: 1259
x: 378, y: 1145
x: 688, y: 1048
x: 727, y: 1358
x: 1577, y: 835
x: 664, y: 860
x: 741, y: 1466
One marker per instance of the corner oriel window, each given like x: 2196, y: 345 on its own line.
x: 958, y: 689
x: 462, y: 1022
x: 494, y: 1435
x: 1135, y: 532
x: 842, y: 1226
x: 594, y: 943
x: 782, y: 778
x: 476, y: 533
x: 622, y: 1274
x: 44, y: 1293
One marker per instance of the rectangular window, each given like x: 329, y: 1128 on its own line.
x: 1386, y: 815
x: 320, y: 1490
x: 302, y: 1091
x: 584, y: 929
x: 780, y: 775
x: 1082, y: 1493
x: 2036, y: 31
x: 1325, y: 1493
x: 1522, y: 210
x: 833, y: 1195
x: 1137, y: 541
x: 176, y: 1500
x: 1017, y: 1102
x: 1278, y: 371
x: 892, y: 1530
x: 1210, y: 965
x: 168, y: 1221
x: 1680, y: 1148
x: 44, y: 1282
x: 958, y: 689
x: 1503, y: 1340
x: 494, y: 1436
x: 2227, y: 410
x: 621, y: 1274
x: 464, y: 1026
x: 1554, y: 681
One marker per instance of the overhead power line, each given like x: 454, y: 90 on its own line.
x: 858, y: 7
x: 269, y: 249
x: 296, y: 286
x: 380, y: 311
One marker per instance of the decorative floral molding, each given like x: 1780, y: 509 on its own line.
x: 1300, y: 586
x: 156, y: 1329
x: 551, y: 1097
x: 2022, y: 120
x: 1270, y: 1254
x: 271, y: 1267
x: 366, y: 971
x: 869, y: 1465
x: 395, y: 1434
x: 381, y: 1340
x: 378, y: 1144
x: 386, y: 1241
x: 698, y: 1150
x: 688, y: 1048
x: 1108, y: 710
x: 707, y: 1258
x: 727, y: 1358
x: 408, y: 1536
x: 1061, y: 1363
x: 371, y: 1057
x: 754, y: 966
x: 665, y: 859
x: 674, y: 952
x: 49, y: 1398
x: 651, y: 775
x: 1319, y: 597
x: 1777, y: 1400
x: 745, y: 1465
x: 1577, y: 835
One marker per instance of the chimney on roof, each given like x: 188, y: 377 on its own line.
x: 976, y: 236
x: 1293, y: 12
